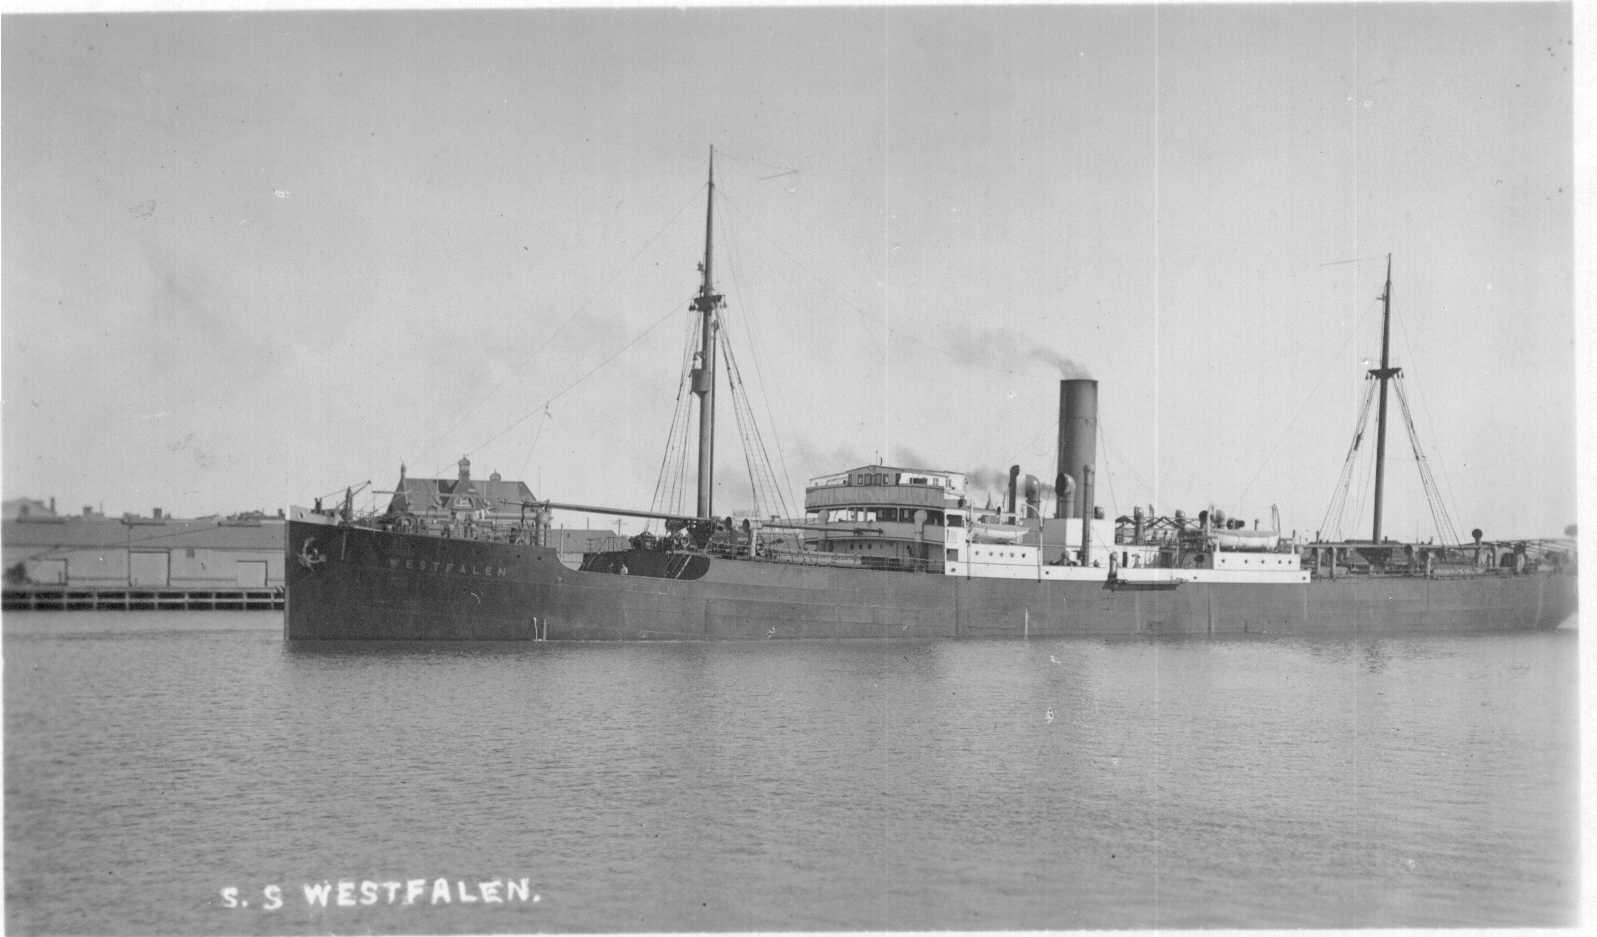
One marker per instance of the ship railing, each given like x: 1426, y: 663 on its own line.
x: 843, y: 560
x: 836, y: 480
x: 482, y: 531
x: 1459, y: 562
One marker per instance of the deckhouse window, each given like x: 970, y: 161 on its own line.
x: 954, y: 520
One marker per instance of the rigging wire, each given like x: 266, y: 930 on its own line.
x: 1332, y: 521
x: 1440, y: 515
x: 1104, y: 440
x: 736, y: 267
x: 869, y: 334
x: 1430, y: 418
x: 543, y: 407
x: 342, y: 488
x: 1108, y: 477
x: 1365, y: 490
x: 755, y: 454
x: 1301, y: 409
x: 780, y: 170
x: 533, y: 446
x: 1353, y: 260
x: 682, y: 489
x: 549, y: 339
x: 670, y: 485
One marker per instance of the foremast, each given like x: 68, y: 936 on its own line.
x: 1384, y: 374
x: 706, y: 304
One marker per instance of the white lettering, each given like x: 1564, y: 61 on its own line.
x: 449, y: 567
x: 414, y: 889
x: 230, y: 897
x: 350, y: 893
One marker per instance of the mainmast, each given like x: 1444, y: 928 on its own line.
x: 1384, y: 374
x: 706, y: 303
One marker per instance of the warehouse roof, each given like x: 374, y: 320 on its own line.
x: 106, y: 533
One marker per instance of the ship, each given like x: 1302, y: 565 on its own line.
x: 890, y: 552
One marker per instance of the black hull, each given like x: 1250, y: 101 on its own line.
x: 349, y: 583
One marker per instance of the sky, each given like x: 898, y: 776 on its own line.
x: 251, y: 258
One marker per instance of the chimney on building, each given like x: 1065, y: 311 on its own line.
x: 156, y: 513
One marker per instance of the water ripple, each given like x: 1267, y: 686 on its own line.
x: 153, y: 761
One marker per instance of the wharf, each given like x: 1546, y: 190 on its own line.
x: 60, y: 598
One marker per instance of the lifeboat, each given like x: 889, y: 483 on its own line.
x: 997, y: 533
x: 1255, y: 540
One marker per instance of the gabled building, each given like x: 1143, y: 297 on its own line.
x: 460, y: 501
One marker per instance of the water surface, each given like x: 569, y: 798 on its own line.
x: 155, y: 759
